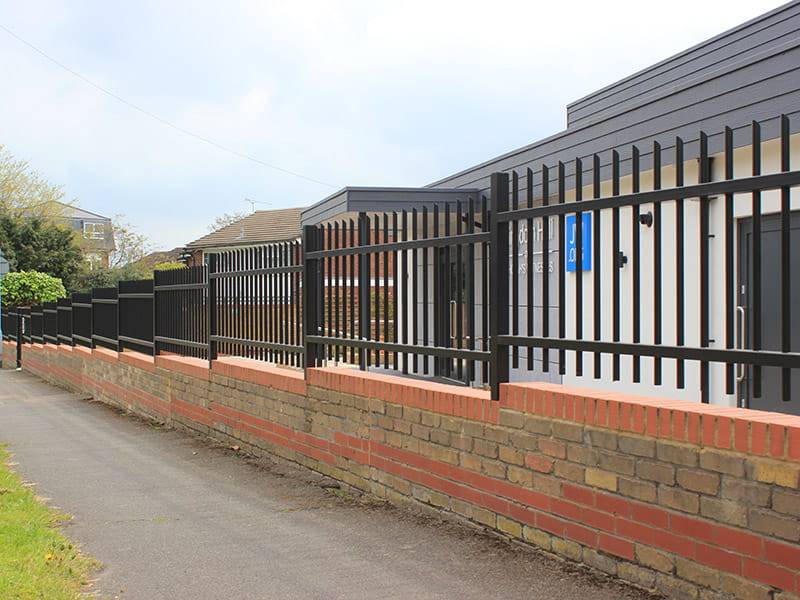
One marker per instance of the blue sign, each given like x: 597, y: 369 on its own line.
x: 586, y: 242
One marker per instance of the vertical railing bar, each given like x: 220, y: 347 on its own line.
x: 425, y: 312
x: 529, y: 266
x: 363, y: 288
x: 637, y: 263
x: 786, y: 272
x: 336, y: 291
x: 212, y: 309
x: 485, y: 287
x: 680, y: 299
x: 414, y: 291
x: 348, y: 291
x: 755, y: 318
x: 459, y: 290
x: 395, y: 292
x: 376, y: 276
x: 352, y: 291
x: 386, y: 289
x: 730, y: 282
x: 404, y: 286
x: 562, y: 279
x: 704, y: 176
x: 597, y: 266
x: 545, y: 268
x: 515, y: 267
x: 447, y: 293
x: 470, y: 286
x: 578, y: 264
x: 616, y: 265
x: 656, y: 262
x: 498, y: 286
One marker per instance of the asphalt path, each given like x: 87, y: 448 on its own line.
x: 173, y: 516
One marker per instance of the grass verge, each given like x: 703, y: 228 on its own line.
x: 36, y: 559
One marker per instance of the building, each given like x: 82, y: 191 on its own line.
x: 95, y: 232
x: 259, y: 228
x: 751, y: 72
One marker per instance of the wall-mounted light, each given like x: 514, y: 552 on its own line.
x: 646, y: 219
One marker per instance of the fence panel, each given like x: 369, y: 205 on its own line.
x: 24, y: 313
x: 6, y: 323
x: 50, y: 321
x: 64, y: 318
x: 258, y: 303
x: 82, y: 319
x: 136, y: 315
x: 104, y: 318
x: 403, y: 291
x: 37, y: 324
x: 181, y: 313
x: 611, y: 243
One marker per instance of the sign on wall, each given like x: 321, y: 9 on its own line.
x: 586, y: 242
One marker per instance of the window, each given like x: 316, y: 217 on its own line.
x: 95, y: 261
x: 94, y: 231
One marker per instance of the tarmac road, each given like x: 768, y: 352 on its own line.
x: 173, y: 517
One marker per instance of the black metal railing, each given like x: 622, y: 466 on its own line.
x: 104, y: 318
x: 64, y: 321
x: 24, y: 314
x: 8, y: 323
x: 181, y: 313
x: 136, y: 315
x: 600, y: 316
x: 633, y: 267
x: 256, y: 300
x: 404, y: 291
x: 82, y: 319
x: 50, y: 322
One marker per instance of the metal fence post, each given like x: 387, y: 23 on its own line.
x: 19, y: 340
x: 211, y: 305
x: 364, y: 329
x: 498, y: 284
x: 310, y: 297
x: 91, y: 319
x: 155, y: 313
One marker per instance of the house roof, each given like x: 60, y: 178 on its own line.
x: 367, y: 199
x: 74, y: 212
x: 160, y: 256
x: 260, y: 227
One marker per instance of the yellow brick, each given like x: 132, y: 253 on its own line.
x: 779, y: 473
x: 510, y: 527
x: 601, y: 479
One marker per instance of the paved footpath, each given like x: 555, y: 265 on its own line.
x: 173, y: 517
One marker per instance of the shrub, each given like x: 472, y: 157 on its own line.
x: 25, y: 288
x: 169, y: 266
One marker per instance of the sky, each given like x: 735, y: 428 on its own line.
x: 343, y: 93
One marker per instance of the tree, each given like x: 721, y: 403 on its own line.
x: 226, y: 219
x: 36, y: 244
x: 129, y: 245
x: 124, y: 262
x: 25, y: 193
x: 26, y: 288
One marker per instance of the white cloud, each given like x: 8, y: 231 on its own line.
x: 346, y: 92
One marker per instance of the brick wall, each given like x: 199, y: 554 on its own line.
x: 693, y: 501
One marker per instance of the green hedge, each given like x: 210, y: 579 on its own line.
x: 26, y: 288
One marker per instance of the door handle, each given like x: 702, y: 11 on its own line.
x: 453, y: 327
x: 740, y: 370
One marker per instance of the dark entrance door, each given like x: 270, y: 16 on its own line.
x: 451, y: 313
x: 770, y: 310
